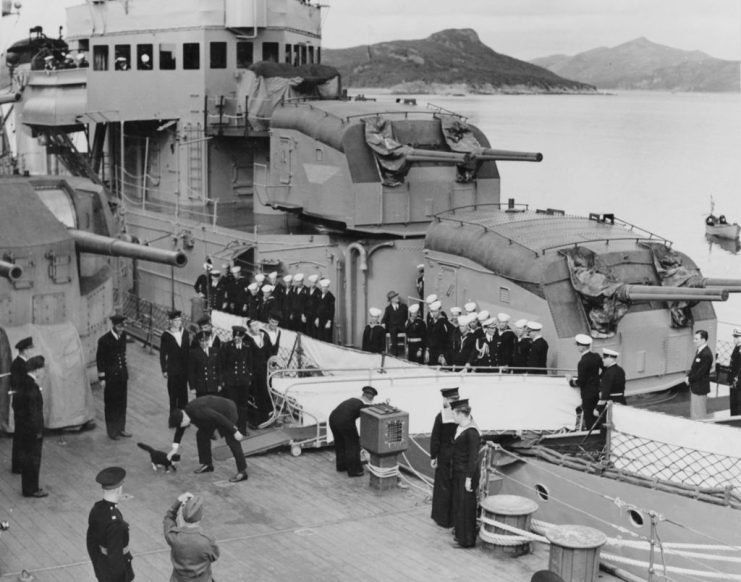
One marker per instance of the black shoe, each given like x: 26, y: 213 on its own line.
x: 204, y: 469
x: 241, y: 476
x: 125, y: 434
x: 356, y: 474
x: 114, y: 437
x: 39, y: 493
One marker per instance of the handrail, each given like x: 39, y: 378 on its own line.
x: 581, y: 242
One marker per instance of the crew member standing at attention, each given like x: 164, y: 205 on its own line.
x: 394, y: 318
x: 17, y: 375
x: 174, y: 349
x: 108, y: 533
x: 271, y: 334
x: 28, y: 408
x: 698, y: 378
x: 263, y: 408
x: 342, y: 423
x: 587, y: 379
x: 505, y: 342
x: 236, y: 366
x: 537, y: 358
x: 374, y: 334
x: 114, y: 377
x: 465, y: 475
x: 522, y: 346
x: 441, y: 459
x: 734, y: 378
x: 438, y: 336
x: 297, y: 304
x: 612, y: 380
x: 324, y: 309
x: 309, y: 306
x: 204, y: 370
x: 416, y: 332
x: 204, y: 324
x: 203, y: 287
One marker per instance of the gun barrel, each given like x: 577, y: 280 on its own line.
x: 418, y: 155
x: 720, y: 282
x: 651, y: 293
x: 509, y: 156
x: 9, y: 98
x: 10, y: 271
x: 89, y: 242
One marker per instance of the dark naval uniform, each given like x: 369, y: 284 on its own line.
x: 374, y: 339
x: 538, y: 356
x: 506, y: 347
x: 734, y: 380
x: 108, y: 543
x: 441, y: 449
x: 111, y: 362
x: 17, y: 374
x: 416, y: 332
x: 204, y: 375
x: 521, y: 352
x: 438, y: 339
x: 345, y: 433
x: 465, y: 465
x: 324, y: 309
x: 28, y: 407
x: 236, y: 366
x: 588, y: 372
x: 612, y: 384
x: 174, y: 363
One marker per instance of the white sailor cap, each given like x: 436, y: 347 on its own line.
x: 489, y: 322
x: 465, y: 320
x: 288, y: 278
x: 207, y: 266
x: 470, y: 307
x: 252, y: 287
x: 455, y: 311
x: 435, y: 306
x: 224, y: 266
x: 534, y: 325
x: 266, y: 288
x: 414, y: 308
x: 298, y: 277
x: 583, y: 339
x: 609, y: 352
x: 273, y: 275
x: 737, y: 333
x: 483, y: 316
x: 421, y: 266
x: 374, y: 312
x: 259, y: 277
x: 503, y: 317
x: 520, y: 323
x: 236, y: 270
x: 216, y: 272
x: 313, y: 278
x: 324, y: 283
x: 431, y: 299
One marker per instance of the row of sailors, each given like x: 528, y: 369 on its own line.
x: 306, y: 303
x: 463, y: 341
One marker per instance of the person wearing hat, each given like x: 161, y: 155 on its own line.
x: 263, y: 409
x: 506, y: 340
x: 394, y: 318
x: 17, y: 376
x: 223, y: 281
x: 324, y: 310
x: 343, y: 424
x: 308, y: 316
x: 236, y: 366
x: 191, y: 551
x: 437, y: 339
x: 441, y: 459
x: 484, y: 353
x: 588, y: 372
x: 28, y: 409
x: 734, y: 374
x: 416, y: 331
x: 465, y: 481
x: 537, y: 358
x: 612, y: 381
x: 522, y: 345
x: 463, y: 357
x: 374, y: 334
x: 420, y: 281
x: 698, y: 377
x: 208, y: 414
x: 174, y: 350
x: 271, y: 333
x: 107, y: 533
x: 202, y: 285
x: 236, y: 291
x: 204, y: 324
x: 294, y: 303
x: 253, y: 300
x: 204, y: 366
x: 267, y: 302
x: 114, y: 377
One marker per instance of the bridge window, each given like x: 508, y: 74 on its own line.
x: 123, y: 57
x: 244, y: 55
x: 296, y: 55
x: 311, y: 54
x: 270, y: 52
x: 288, y: 53
x: 144, y: 56
x: 100, y: 57
x: 218, y: 55
x: 167, y: 57
x: 191, y: 56
x: 318, y: 55
x: 303, y: 54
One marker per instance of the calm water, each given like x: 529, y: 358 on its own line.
x: 654, y: 159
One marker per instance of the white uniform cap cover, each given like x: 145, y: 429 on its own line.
x: 288, y: 278
x: 324, y: 283
x: 259, y: 277
x: 470, y: 307
x: 298, y: 277
x: 207, y: 266
x: 236, y: 269
x: 465, y: 320
x: 374, y: 312
x: 521, y: 323
x: 583, y: 339
x: 431, y: 299
x: 455, y: 310
x: 252, y: 286
x: 609, y: 352
x: 421, y: 266
x: 435, y: 306
x: 273, y: 275
x: 266, y: 288
x: 216, y: 272
x: 534, y: 325
x: 489, y: 322
x: 503, y: 317
x: 483, y: 315
x: 737, y: 333
x: 313, y: 278
x: 414, y: 308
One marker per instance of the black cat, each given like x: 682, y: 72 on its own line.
x: 159, y: 458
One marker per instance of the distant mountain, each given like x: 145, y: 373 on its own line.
x: 453, y: 60
x: 642, y: 64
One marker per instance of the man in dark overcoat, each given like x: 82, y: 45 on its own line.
x: 342, y: 423
x: 587, y: 379
x: 114, y: 377
x: 17, y: 374
x: 28, y: 408
x: 204, y: 367
x: 698, y: 378
x: 236, y: 371
x: 174, y: 349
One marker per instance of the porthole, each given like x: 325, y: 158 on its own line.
x: 542, y: 492
x: 635, y: 517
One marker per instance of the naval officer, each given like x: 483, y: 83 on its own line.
x: 28, y: 406
x: 17, y: 374
x: 587, y: 379
x: 441, y: 459
x: 342, y: 423
x: 114, y: 376
x: 734, y: 378
x: 108, y: 533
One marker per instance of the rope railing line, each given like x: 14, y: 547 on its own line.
x: 661, y: 570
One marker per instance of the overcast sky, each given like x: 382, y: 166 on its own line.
x: 524, y: 29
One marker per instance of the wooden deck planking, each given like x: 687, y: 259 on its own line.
x: 295, y: 518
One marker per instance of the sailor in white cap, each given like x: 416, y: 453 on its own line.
x: 430, y: 299
x: 287, y: 279
x: 484, y: 356
x: 293, y: 302
x: 522, y: 345
x: 612, y: 382
x: 308, y: 316
x: 438, y: 336
x: 267, y: 302
x: 463, y: 355
x: 260, y: 278
x: 273, y: 277
x: 734, y: 374
x: 588, y: 372
x: 415, y: 334
x: 537, y: 359
x: 235, y: 291
x: 324, y: 312
x: 506, y: 340
x: 455, y: 312
x: 470, y: 307
x: 374, y: 334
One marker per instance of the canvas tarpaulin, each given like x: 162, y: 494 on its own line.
x: 390, y: 153
x: 68, y: 399
x: 597, y: 287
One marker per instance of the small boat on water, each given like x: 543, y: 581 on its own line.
x: 720, y: 227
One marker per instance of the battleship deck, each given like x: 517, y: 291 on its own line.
x: 296, y: 518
